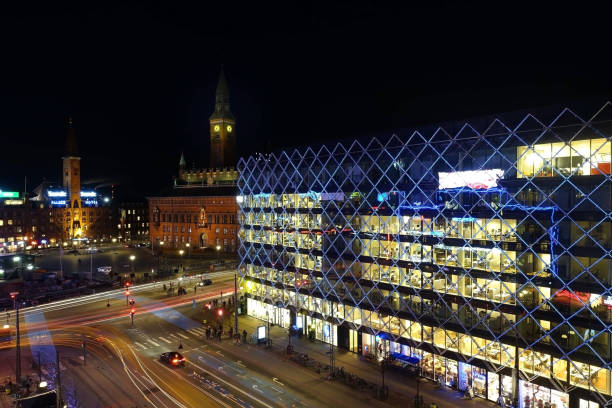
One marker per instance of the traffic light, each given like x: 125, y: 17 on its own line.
x: 127, y: 293
x: 133, y: 311
x: 220, y: 312
x: 127, y: 284
x: 208, y: 306
x: 12, y: 296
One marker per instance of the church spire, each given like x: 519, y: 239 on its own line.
x: 222, y: 102
x: 70, y: 148
x: 182, y: 162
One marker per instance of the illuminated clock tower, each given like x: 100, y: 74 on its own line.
x: 222, y: 128
x: 72, y: 182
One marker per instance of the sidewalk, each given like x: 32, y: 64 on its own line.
x: 402, y: 389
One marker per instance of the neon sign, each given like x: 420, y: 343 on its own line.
x: 58, y: 202
x: 90, y: 202
x: 475, y: 179
x: 52, y: 193
x: 9, y: 194
x: 88, y: 193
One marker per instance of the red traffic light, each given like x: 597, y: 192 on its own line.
x: 12, y: 296
x: 208, y: 306
x: 127, y: 284
x: 133, y: 311
x: 220, y: 312
x: 127, y: 293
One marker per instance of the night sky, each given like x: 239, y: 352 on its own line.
x: 139, y: 79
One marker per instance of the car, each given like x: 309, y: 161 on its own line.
x: 206, y: 282
x: 173, y: 358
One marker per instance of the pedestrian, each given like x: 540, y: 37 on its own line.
x: 195, y: 288
x: 219, y: 335
x: 244, y: 336
x: 231, y: 332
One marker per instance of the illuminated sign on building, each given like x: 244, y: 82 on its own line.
x: 88, y: 194
x: 90, y: 202
x: 58, y: 202
x: 13, y: 202
x: 9, y: 194
x: 57, y: 193
x: 476, y: 179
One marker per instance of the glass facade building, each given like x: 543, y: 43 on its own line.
x: 481, y: 250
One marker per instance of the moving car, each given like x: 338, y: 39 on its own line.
x: 206, y: 282
x: 173, y: 358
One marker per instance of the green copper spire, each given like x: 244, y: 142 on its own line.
x: 222, y: 102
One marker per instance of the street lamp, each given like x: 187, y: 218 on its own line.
x: 218, y: 253
x: 188, y: 245
x: 132, y: 258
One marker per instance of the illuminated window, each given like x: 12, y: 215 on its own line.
x: 580, y: 157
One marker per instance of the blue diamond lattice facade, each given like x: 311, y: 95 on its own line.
x: 481, y: 252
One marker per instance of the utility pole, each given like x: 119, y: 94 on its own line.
x: 236, y: 303
x: 17, y: 343
x: 58, y: 382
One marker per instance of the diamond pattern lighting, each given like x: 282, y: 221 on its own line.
x: 483, y: 251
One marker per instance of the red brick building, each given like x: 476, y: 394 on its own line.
x: 195, y: 218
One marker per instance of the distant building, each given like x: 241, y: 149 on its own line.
x: 199, y: 210
x: 55, y: 213
x: 133, y: 221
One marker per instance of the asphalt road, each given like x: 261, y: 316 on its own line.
x: 121, y: 367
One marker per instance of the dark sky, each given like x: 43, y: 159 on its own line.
x: 139, y: 78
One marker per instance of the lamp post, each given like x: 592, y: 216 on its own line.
x: 236, y: 303
x: 132, y: 258
x: 159, y: 246
x: 17, y: 338
x: 218, y: 253
x: 188, y: 245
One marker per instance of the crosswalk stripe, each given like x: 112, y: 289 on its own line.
x: 140, y: 345
x: 174, y: 336
x: 182, y: 335
x: 196, y: 330
x: 153, y: 343
x: 164, y: 339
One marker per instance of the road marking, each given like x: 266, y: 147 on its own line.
x: 153, y: 343
x: 278, y: 382
x: 164, y: 339
x: 140, y: 345
x: 182, y: 335
x: 197, y: 331
x: 174, y: 336
x: 240, y: 364
x: 240, y: 390
x: 219, y: 353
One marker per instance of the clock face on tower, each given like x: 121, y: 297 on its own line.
x: 229, y: 128
x: 217, y: 128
